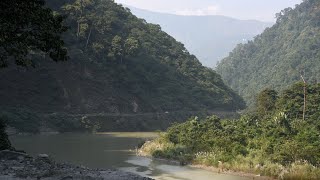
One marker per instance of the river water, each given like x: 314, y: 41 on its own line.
x: 110, y: 150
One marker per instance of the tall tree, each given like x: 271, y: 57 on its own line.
x: 131, y: 46
x: 266, y: 101
x: 28, y: 27
x: 304, y: 96
x: 117, y: 47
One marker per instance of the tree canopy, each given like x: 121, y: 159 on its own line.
x: 28, y: 28
x: 266, y: 101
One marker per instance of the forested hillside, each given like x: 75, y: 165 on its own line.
x: 117, y: 64
x: 278, y: 56
x: 210, y: 38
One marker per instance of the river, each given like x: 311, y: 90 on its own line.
x: 110, y: 150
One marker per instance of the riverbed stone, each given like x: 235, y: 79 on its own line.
x: 43, y: 156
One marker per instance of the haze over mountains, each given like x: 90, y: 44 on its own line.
x: 210, y: 38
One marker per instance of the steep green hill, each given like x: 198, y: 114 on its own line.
x: 277, y: 57
x: 119, y: 64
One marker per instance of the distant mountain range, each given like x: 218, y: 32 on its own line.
x: 210, y: 38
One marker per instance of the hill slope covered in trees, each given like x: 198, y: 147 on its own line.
x: 277, y: 57
x: 118, y: 64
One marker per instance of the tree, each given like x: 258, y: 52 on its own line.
x: 78, y: 11
x: 28, y: 27
x: 266, y: 101
x: 131, y: 46
x: 116, y: 47
x: 304, y: 96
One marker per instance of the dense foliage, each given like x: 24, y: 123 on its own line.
x: 157, y: 64
x: 274, y: 142
x: 277, y: 57
x: 28, y: 28
x: 118, y: 64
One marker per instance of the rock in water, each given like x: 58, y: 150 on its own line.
x: 43, y: 156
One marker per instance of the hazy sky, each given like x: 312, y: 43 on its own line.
x: 263, y: 10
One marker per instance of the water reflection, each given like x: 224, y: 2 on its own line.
x: 110, y: 150
x: 107, y: 150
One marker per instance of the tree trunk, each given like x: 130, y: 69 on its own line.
x: 88, y: 37
x: 81, y: 10
x: 78, y: 32
x: 304, y: 97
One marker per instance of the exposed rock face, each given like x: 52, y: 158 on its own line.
x: 17, y: 165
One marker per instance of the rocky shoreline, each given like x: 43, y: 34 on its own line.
x: 19, y: 165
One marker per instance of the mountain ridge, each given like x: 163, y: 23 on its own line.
x: 210, y: 38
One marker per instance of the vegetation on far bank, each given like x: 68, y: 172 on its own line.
x: 274, y: 140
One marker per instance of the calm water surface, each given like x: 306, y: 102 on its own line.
x: 110, y: 150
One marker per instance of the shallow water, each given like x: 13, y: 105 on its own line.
x: 110, y: 150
